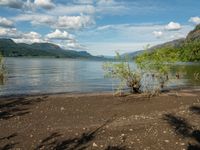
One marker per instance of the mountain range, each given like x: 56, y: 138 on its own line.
x: 8, y: 48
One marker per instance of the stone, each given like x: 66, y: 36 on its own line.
x: 94, y: 145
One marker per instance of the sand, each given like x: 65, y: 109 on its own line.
x: 170, y: 121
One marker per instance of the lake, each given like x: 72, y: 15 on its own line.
x: 46, y: 75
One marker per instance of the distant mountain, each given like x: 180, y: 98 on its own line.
x: 132, y: 54
x: 192, y: 36
x: 9, y: 48
x: 174, y: 43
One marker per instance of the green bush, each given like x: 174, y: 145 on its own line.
x: 121, y: 70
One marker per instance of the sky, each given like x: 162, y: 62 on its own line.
x: 100, y: 27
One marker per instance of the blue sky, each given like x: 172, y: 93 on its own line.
x: 99, y: 26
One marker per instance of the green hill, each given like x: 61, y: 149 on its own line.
x: 186, y: 50
x: 8, y: 48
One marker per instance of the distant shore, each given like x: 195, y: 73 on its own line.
x: 100, y: 121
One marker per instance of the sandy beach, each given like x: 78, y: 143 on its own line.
x: 170, y: 121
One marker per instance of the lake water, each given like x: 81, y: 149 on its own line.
x: 45, y: 75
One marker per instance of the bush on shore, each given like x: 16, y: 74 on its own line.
x: 151, y: 74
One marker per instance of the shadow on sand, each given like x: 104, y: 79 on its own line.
x: 12, y: 107
x: 116, y: 148
x: 56, y: 141
x: 183, y: 128
x: 8, y: 146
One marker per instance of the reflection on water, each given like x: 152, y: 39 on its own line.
x: 39, y: 75
x: 187, y: 73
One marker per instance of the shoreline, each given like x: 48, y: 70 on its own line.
x: 95, y: 93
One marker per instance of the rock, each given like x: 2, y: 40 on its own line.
x: 182, y: 144
x: 94, y: 145
x: 166, y: 141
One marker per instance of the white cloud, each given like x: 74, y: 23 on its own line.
x: 60, y: 22
x: 64, y: 40
x: 46, y: 4
x: 36, y: 19
x: 6, y: 22
x: 73, y: 22
x: 19, y: 36
x: 9, y: 33
x: 72, y: 9
x: 172, y: 26
x: 59, y: 35
x: 195, y: 20
x: 18, y: 4
x: 158, y: 34
x: 74, y: 45
x: 30, y: 37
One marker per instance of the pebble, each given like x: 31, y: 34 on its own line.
x: 164, y: 131
x: 166, y: 141
x: 182, y: 144
x: 111, y: 137
x: 62, y: 108
x: 31, y: 135
x: 130, y: 129
x: 94, y: 145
